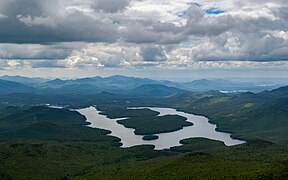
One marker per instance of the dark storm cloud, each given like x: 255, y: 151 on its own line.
x: 49, y: 21
x: 46, y: 21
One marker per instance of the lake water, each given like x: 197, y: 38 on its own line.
x: 201, y: 128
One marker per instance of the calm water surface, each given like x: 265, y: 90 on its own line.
x: 201, y: 128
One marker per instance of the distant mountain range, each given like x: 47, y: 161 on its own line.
x: 24, y: 80
x: 8, y: 87
x: 113, y: 82
x: 153, y: 90
x: 122, y: 85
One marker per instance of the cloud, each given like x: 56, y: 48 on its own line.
x: 154, y: 54
x: 11, y: 64
x: 29, y: 21
x: 2, y: 16
x: 146, y: 33
x: 36, y: 51
x: 49, y: 21
x: 47, y: 64
x: 75, y: 63
x: 104, y: 55
x: 110, y: 6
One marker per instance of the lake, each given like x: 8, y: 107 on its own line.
x: 201, y: 128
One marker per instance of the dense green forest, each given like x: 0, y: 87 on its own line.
x: 79, y: 160
x: 38, y: 142
x: 247, y: 115
x: 143, y: 89
x: 47, y: 143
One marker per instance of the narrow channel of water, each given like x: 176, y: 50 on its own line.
x: 201, y: 128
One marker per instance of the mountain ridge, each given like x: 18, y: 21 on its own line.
x: 123, y: 83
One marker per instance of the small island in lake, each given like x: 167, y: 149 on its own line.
x: 155, y: 124
x: 150, y: 137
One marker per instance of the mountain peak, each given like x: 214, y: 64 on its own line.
x: 56, y: 81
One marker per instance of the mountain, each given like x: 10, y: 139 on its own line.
x: 79, y: 88
x: 23, y: 80
x: 245, y: 115
x: 119, y: 84
x: 111, y: 84
x: 8, y: 87
x: 281, y: 92
x: 154, y: 90
x: 87, y: 80
x: 56, y: 82
x: 225, y: 86
x: 218, y: 84
x: 116, y: 82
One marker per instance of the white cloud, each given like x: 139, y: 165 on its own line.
x: 2, y: 16
x: 104, y: 55
x: 146, y: 33
x: 280, y: 34
x: 31, y: 21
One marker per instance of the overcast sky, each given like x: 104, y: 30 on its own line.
x: 152, y: 38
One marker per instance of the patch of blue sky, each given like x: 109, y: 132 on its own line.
x: 214, y: 11
x: 197, y: 4
x: 181, y: 14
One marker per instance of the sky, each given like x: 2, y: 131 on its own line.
x: 163, y: 39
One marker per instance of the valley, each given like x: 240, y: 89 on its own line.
x: 143, y: 89
x: 41, y: 142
